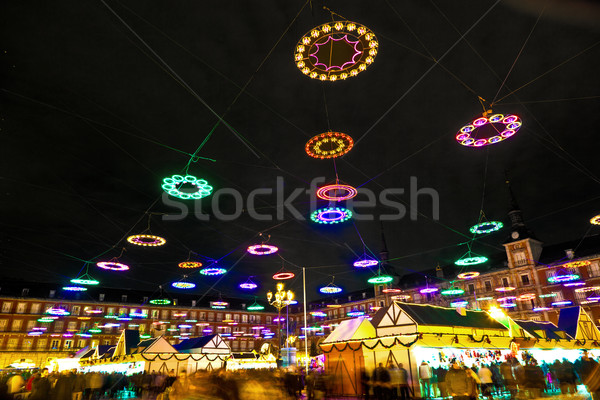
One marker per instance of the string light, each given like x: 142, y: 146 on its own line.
x: 146, y: 240
x: 380, y: 279
x: 511, y: 123
x: 365, y: 262
x: 505, y: 289
x: 262, y: 249
x: 348, y: 192
x: 452, y: 291
x: 468, y: 275
x: 74, y: 288
x: 248, y: 285
x: 183, y: 285
x: 281, y: 276
x: 355, y: 49
x: 160, y: 301
x: 486, y: 227
x: 471, y: 260
x: 329, y: 145
x: 173, y: 186
x: 563, y: 278
x: 213, y: 271
x: 189, y: 264
x: 113, y: 266
x: 331, y: 215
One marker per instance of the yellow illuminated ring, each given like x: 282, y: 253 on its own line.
x: 336, y: 51
x: 468, y: 275
x: 190, y: 264
x: 146, y: 240
x: 329, y: 145
x: 595, y: 220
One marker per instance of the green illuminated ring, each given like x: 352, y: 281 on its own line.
x: 453, y: 291
x: 160, y: 301
x: 81, y: 281
x: 173, y: 184
x: 471, y: 260
x: 486, y: 227
x: 380, y: 279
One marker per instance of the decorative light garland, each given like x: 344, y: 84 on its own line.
x: 160, y: 301
x: 146, y: 240
x: 471, y: 260
x: 331, y: 215
x: 505, y: 289
x: 329, y: 145
x: 113, y: 266
x: 320, y: 52
x: 380, y: 279
x: 563, y: 278
x: 576, y: 264
x: 57, y: 311
x: 562, y: 303
x: 595, y: 220
x: 282, y: 276
x: 365, y: 262
x: 248, y: 285
x: 213, y: 271
x: 183, y: 285
x: 538, y: 309
x: 526, y: 296
x: 587, y: 289
x: 571, y: 284
x: 511, y: 123
x: 391, y: 290
x: 85, y: 279
x: 74, y: 288
x: 486, y: 227
x: 330, y: 289
x: 348, y: 192
x: 452, y: 291
x: 428, y: 290
x: 262, y: 249
x: 355, y: 313
x: 468, y: 275
x: 173, y: 185
x: 542, y: 296
x: 189, y: 264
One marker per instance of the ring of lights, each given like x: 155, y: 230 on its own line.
x: 146, y: 240
x: 563, y: 278
x: 160, y: 301
x: 282, y: 276
x: 365, y: 262
x: 212, y: 271
x: 113, y: 266
x: 339, y: 215
x: 526, y: 296
x: 255, y: 307
x: 595, y: 220
x: 347, y: 190
x: 587, y: 289
x: 355, y: 313
x: 183, y: 285
x: 471, y: 260
x: 315, y: 56
x: 74, y: 288
x: 486, y: 227
x: 380, y: 279
x: 511, y: 123
x: 391, y: 290
x: 330, y: 289
x: 453, y: 291
x: 262, y: 249
x: 83, y: 281
x: 428, y: 290
x: 505, y: 289
x: 468, y: 275
x: 189, y: 264
x: 57, y: 311
x: 576, y: 264
x: 571, y: 284
x: 401, y: 297
x: 248, y: 285
x: 329, y: 145
x: 173, y: 185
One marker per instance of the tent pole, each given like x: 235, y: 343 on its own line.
x: 305, y: 330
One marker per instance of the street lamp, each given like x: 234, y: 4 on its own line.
x: 280, y: 300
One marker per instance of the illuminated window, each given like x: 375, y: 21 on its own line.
x: 75, y: 310
x: 12, y: 343
x: 41, y: 343
x: 27, y: 344
x: 505, y: 282
x: 520, y: 258
x: 236, y: 317
x: 3, y: 324
x: 35, y: 308
x: 594, y: 269
x: 31, y: 324
x: 17, y: 324
x: 268, y: 320
x: 72, y: 326
x: 244, y: 318
x: 21, y: 308
x: 58, y: 326
x: 81, y: 343
x: 6, y: 306
x: 55, y: 344
x: 155, y: 314
x: 471, y: 288
x: 68, y: 344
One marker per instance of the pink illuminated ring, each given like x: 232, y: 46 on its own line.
x: 262, y: 249
x: 428, y: 290
x: 113, y: 266
x: 347, y: 192
x: 281, y: 276
x: 511, y: 123
x: 468, y: 275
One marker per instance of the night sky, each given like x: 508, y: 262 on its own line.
x: 102, y: 100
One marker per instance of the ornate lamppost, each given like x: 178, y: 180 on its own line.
x: 280, y: 300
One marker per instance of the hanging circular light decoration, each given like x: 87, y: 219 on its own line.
x: 505, y: 289
x: 262, y: 249
x: 211, y: 271
x: 486, y: 227
x: 428, y: 290
x: 471, y: 260
x: 92, y: 311
x: 526, y: 296
x: 365, y: 262
x: 511, y: 123
x: 219, y: 304
x: 331, y: 215
x: 595, y: 220
x: 57, y: 311
x: 85, y: 279
x: 189, y: 264
x: 319, y: 314
x: 47, y: 319
x: 468, y: 275
x: 563, y: 277
x: 401, y: 297
x: 380, y: 279
x: 562, y: 303
x: 459, y: 303
x: 248, y: 285
x: 538, y: 309
x: 340, y: 192
x: 508, y: 305
x: 391, y: 290
x: 576, y: 264
x: 355, y: 313
x: 587, y: 289
x: 146, y: 240
x: 333, y: 305
x: 112, y: 266
x: 255, y: 307
x: 160, y: 302
x: 74, y: 288
x: 330, y: 289
x: 329, y: 145
x: 452, y: 291
x: 336, y: 51
x: 175, y: 186
x: 571, y: 284
x: 593, y: 298
x: 282, y: 276
x: 507, y: 298
x: 183, y: 285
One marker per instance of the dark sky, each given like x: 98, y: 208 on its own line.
x: 102, y: 100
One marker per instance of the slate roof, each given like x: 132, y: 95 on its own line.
x: 568, y: 320
x: 425, y: 314
x: 194, y: 343
x: 533, y: 327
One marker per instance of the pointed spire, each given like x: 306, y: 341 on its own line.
x: 514, y: 213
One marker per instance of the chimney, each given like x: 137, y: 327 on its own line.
x: 570, y: 253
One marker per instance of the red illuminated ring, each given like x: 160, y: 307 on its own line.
x: 511, y: 123
x: 281, y: 276
x: 329, y: 145
x: 391, y: 290
x: 190, y: 264
x: 262, y: 249
x: 350, y: 192
x: 468, y: 275
x: 113, y: 266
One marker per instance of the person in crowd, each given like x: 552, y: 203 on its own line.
x: 40, y: 387
x: 440, y: 374
x: 425, y: 378
x: 78, y: 385
x: 381, y: 381
x: 590, y: 375
x: 63, y: 388
x: 15, y: 384
x: 365, y: 383
x: 474, y: 382
x: 180, y: 387
x: 497, y: 378
x: 487, y: 382
x: 458, y: 383
x: 403, y: 382
x: 394, y: 381
x: 534, y: 379
x: 508, y: 377
x: 567, y: 378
